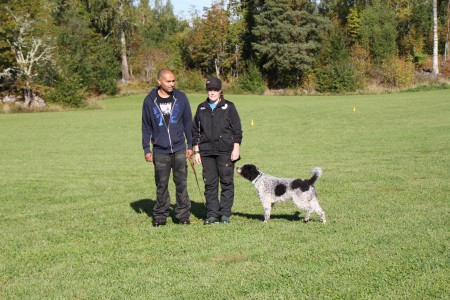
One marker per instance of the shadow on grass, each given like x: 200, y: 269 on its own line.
x: 293, y: 217
x: 143, y: 206
x: 198, y: 209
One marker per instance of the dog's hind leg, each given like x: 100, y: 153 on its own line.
x: 308, y: 215
x: 321, y: 214
x: 315, y: 207
x: 310, y: 203
x: 318, y: 209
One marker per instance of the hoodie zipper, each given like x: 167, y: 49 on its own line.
x: 167, y: 126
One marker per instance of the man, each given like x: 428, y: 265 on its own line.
x: 167, y: 123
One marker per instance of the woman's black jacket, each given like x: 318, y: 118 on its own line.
x: 216, y: 131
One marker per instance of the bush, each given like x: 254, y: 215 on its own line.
x: 339, y: 76
x: 397, y: 73
x: 309, y: 81
x: 105, y: 71
x: 191, y: 80
x: 68, y: 91
x: 361, y: 64
x: 252, y: 80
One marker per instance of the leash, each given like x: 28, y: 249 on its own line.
x: 191, y: 162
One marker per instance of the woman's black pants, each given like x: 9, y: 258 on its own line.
x: 218, y: 168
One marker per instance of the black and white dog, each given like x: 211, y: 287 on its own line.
x: 272, y: 190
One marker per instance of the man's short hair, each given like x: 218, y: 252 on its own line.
x: 163, y: 71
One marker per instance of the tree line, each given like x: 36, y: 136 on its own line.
x: 66, y: 50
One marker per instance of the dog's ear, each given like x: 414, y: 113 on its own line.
x: 250, y: 172
x: 255, y: 171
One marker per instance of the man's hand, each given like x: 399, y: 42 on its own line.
x: 149, y: 157
x: 189, y: 153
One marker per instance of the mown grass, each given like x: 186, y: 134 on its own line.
x: 76, y: 195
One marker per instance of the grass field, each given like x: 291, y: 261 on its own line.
x: 76, y: 196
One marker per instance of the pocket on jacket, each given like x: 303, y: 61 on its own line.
x: 205, y: 144
x: 226, y: 142
x: 161, y: 141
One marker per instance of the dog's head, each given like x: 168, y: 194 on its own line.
x: 248, y: 171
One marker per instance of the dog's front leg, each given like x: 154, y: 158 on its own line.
x: 267, y: 205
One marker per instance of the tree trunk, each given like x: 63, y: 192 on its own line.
x: 435, y: 40
x: 448, y: 33
x: 216, y: 65
x: 27, y: 95
x: 236, y: 53
x: 125, y: 72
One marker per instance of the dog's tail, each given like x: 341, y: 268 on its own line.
x: 317, y: 172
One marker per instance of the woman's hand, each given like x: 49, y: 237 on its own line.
x: 198, y: 158
x: 235, y: 152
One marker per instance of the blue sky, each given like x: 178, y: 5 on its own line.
x: 185, y: 5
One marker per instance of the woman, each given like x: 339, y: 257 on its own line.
x: 217, y: 136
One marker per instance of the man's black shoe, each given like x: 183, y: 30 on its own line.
x: 159, y: 222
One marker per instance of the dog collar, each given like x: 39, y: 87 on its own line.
x: 256, y: 179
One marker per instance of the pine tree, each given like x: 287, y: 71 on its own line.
x: 287, y: 37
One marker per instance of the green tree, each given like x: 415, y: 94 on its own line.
x: 235, y: 38
x: 113, y: 17
x: 354, y: 24
x: 209, y: 37
x: 7, y: 59
x: 157, y: 39
x: 86, y: 62
x: 378, y: 31
x: 287, y: 37
x: 336, y: 71
x: 156, y: 24
x: 341, y: 9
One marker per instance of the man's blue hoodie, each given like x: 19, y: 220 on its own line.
x: 170, y: 138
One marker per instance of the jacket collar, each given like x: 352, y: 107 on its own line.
x: 206, y: 103
x: 154, y: 92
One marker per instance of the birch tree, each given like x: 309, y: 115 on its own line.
x: 121, y: 27
x: 29, y: 52
x: 448, y: 33
x: 435, y: 40
x: 113, y: 17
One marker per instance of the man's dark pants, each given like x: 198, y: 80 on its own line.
x: 164, y: 163
x: 214, y: 168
